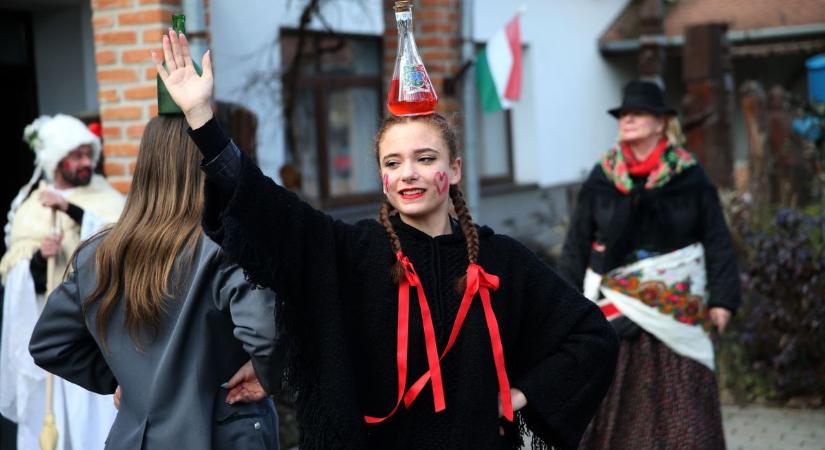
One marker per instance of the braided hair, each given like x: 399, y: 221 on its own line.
x: 465, y: 220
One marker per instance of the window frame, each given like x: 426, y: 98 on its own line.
x: 509, y: 178
x: 321, y: 85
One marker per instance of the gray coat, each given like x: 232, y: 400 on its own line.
x: 171, y: 396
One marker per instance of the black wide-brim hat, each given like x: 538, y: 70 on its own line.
x: 642, y: 96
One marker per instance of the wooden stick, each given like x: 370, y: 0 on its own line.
x: 48, y: 436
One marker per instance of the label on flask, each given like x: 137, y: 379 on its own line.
x: 403, y: 15
x: 415, y: 79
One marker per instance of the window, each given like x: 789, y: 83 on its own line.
x: 495, y: 149
x: 337, y: 111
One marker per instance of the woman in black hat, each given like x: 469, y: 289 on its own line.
x: 649, y: 243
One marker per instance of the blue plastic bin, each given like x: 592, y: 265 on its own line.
x: 816, y: 78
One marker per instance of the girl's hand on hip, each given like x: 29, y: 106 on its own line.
x: 518, y: 401
x: 191, y: 92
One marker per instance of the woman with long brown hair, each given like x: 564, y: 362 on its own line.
x: 417, y: 331
x: 154, y: 306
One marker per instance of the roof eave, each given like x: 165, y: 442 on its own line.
x: 734, y: 37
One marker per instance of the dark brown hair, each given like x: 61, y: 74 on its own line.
x: 440, y: 123
x: 160, y: 222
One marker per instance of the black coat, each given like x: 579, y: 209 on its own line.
x: 683, y: 211
x: 341, y: 312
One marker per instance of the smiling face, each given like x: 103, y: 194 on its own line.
x: 417, y: 170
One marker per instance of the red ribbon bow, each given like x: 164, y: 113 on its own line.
x: 478, y: 281
x: 411, y: 279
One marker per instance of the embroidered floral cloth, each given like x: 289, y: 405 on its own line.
x: 675, y: 299
x: 672, y: 162
x: 666, y: 295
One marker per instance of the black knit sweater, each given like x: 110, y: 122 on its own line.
x: 340, y: 304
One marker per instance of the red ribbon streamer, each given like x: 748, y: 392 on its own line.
x: 478, y: 281
x: 411, y: 279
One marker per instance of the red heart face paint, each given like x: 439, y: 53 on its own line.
x: 386, y: 183
x: 442, y: 183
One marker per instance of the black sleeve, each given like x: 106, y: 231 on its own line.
x: 210, y: 139
x: 720, y: 257
x: 37, y: 267
x: 62, y: 345
x: 76, y: 213
x: 571, y: 354
x: 575, y: 255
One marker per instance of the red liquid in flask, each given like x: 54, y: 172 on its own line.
x: 418, y: 103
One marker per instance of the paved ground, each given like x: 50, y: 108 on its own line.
x: 764, y: 428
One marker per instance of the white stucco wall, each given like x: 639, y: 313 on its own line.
x: 64, y: 59
x: 560, y: 126
x: 244, y: 44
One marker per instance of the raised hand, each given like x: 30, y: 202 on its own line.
x: 191, y: 92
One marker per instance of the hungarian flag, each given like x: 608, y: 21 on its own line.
x: 498, y: 68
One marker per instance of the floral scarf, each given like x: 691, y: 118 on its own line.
x: 673, y: 161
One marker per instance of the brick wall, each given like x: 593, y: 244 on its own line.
x: 438, y: 36
x: 124, y: 33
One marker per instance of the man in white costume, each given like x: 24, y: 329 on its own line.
x: 66, y: 154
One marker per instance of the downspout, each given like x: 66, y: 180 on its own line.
x: 470, y: 169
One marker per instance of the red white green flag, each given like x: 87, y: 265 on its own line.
x: 498, y: 68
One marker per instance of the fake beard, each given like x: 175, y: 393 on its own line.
x: 80, y: 177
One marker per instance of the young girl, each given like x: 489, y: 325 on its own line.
x: 418, y: 331
x: 154, y: 306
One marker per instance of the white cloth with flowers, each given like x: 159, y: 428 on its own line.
x: 682, y: 269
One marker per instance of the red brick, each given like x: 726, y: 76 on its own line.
x: 160, y: 2
x: 109, y: 76
x: 438, y: 28
x: 107, y: 95
x: 427, y: 15
x: 114, y: 168
x: 116, y: 37
x: 105, y: 57
x: 434, y: 55
x: 111, y: 132
x: 100, y: 22
x: 120, y: 149
x: 436, y: 41
x: 153, y: 36
x: 140, y: 92
x: 135, y: 131
x: 130, y: 169
x: 109, y: 4
x: 121, y: 113
x: 150, y: 73
x: 153, y: 109
x: 151, y: 16
x: 121, y: 185
x: 136, y: 56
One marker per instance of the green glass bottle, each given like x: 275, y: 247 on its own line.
x: 166, y: 105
